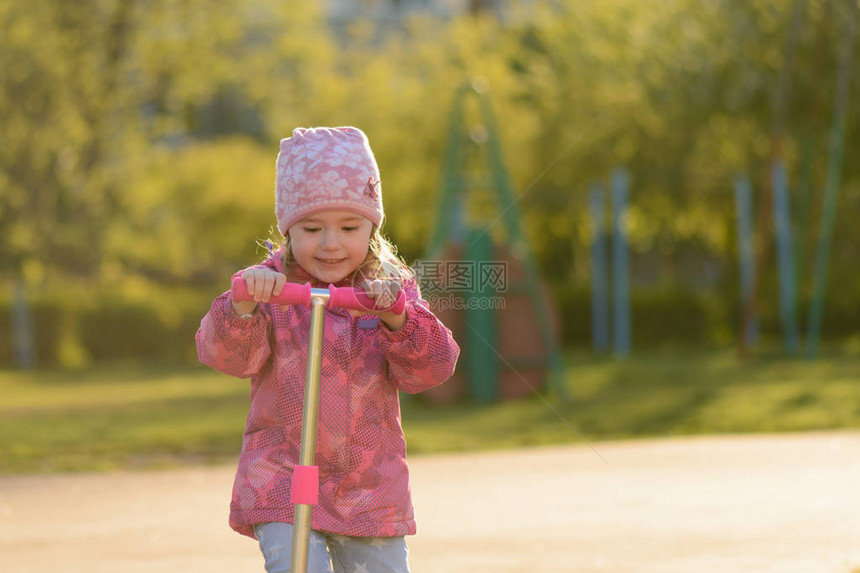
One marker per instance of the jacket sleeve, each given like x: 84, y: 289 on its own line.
x: 422, y: 353
x: 232, y: 345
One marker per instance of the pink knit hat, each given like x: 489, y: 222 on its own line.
x: 326, y: 168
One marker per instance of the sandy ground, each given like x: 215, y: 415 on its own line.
x: 787, y: 503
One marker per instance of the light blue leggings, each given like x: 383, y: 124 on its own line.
x: 329, y: 553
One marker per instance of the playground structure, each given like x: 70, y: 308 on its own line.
x: 480, y: 277
x: 754, y: 240
x: 754, y: 251
x: 600, y: 276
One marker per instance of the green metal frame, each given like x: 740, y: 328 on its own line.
x: 836, y: 150
x: 451, y: 227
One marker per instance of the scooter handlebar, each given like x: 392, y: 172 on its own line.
x: 339, y: 297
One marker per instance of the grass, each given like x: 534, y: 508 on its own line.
x: 657, y: 394
x: 107, y: 419
x: 128, y: 417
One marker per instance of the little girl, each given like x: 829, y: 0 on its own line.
x: 329, y: 210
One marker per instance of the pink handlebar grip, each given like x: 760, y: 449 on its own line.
x: 292, y: 293
x: 355, y: 299
x: 339, y: 297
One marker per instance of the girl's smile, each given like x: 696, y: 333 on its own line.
x: 330, y: 245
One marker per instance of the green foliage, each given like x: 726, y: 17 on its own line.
x: 139, y: 139
x: 137, y: 322
x: 208, y: 202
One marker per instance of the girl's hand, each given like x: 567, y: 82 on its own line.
x: 384, y: 292
x: 262, y: 283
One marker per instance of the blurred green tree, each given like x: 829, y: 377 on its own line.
x: 139, y: 138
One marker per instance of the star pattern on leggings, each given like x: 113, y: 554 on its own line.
x: 378, y: 542
x: 360, y: 568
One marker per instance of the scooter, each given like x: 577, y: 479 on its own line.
x: 305, y: 491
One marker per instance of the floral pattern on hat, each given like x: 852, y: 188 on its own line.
x: 326, y: 168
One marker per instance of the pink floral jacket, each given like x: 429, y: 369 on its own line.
x: 361, y: 450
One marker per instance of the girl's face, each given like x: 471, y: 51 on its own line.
x: 332, y: 244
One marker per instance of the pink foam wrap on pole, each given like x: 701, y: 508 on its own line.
x: 306, y: 485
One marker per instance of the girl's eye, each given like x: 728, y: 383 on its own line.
x: 311, y: 229
x: 350, y: 228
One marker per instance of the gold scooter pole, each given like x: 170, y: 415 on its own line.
x: 307, y: 454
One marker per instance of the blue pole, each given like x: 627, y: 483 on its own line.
x: 785, y: 257
x: 743, y: 204
x: 22, y: 325
x: 620, y: 256
x: 599, y: 282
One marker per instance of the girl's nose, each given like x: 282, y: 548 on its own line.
x: 330, y: 240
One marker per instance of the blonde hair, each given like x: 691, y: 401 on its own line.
x: 382, y: 260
